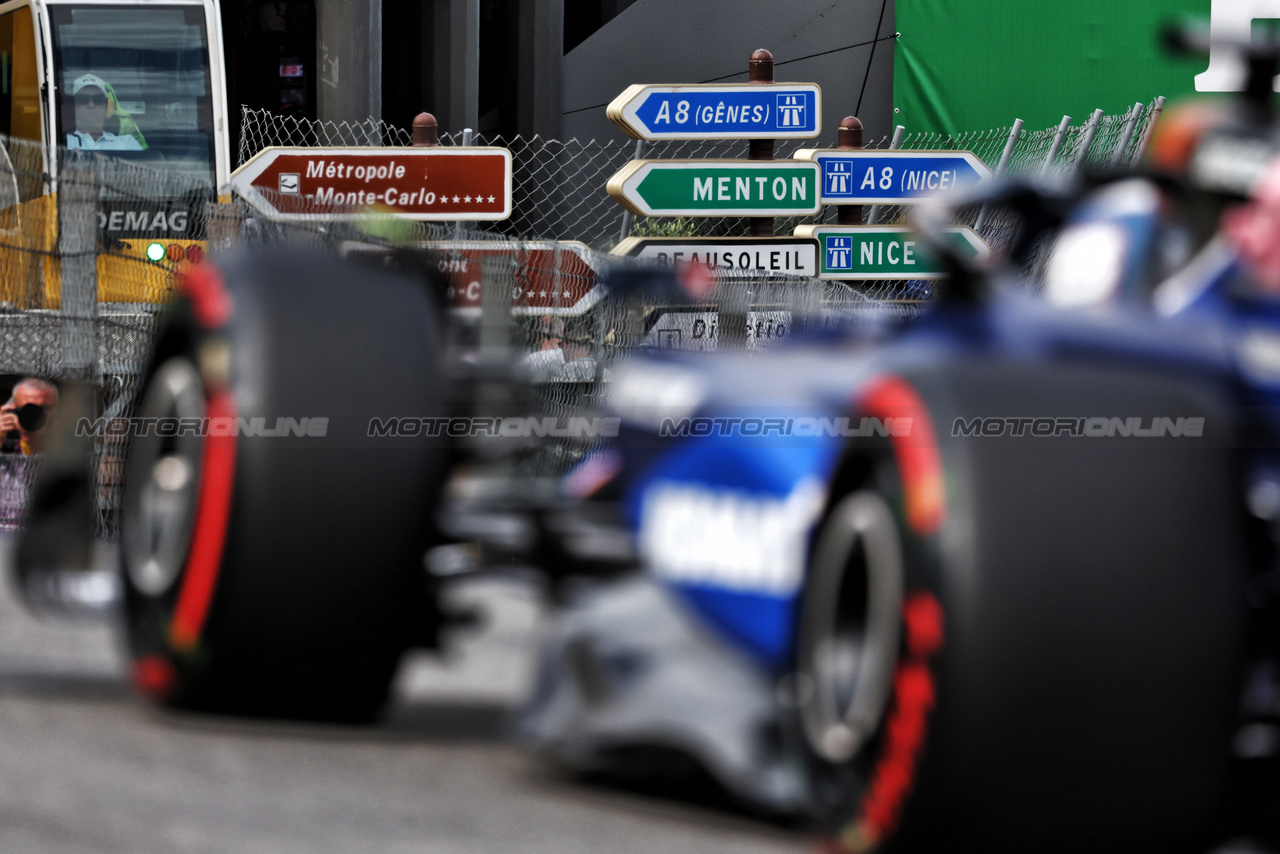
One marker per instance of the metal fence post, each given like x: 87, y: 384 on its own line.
x: 222, y: 225
x: 1090, y: 131
x: 1058, y: 137
x: 1126, y: 134
x: 497, y: 280
x: 898, y: 133
x: 1157, y: 108
x: 849, y: 138
x: 78, y: 253
x: 626, y: 214
x: 457, y: 226
x: 1015, y: 133
x: 760, y: 70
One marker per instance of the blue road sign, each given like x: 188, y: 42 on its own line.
x: 892, y: 177
x: 723, y: 111
x: 839, y: 251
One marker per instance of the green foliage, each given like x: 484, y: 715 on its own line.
x: 682, y: 226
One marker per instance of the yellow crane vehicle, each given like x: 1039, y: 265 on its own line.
x: 129, y: 95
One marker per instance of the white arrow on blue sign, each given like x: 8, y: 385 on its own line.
x: 892, y: 177
x: 719, y: 111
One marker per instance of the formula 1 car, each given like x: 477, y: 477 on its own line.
x: 1003, y: 580
x: 1007, y: 581
x: 978, y: 584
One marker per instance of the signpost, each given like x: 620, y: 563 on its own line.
x: 892, y: 177
x: 699, y: 328
x: 793, y: 256
x: 717, y: 187
x: 719, y: 111
x: 557, y: 277
x: 883, y: 252
x: 471, y: 183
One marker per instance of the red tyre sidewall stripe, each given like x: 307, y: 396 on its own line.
x: 914, y: 690
x: 915, y: 449
x: 155, y: 675
x: 210, y: 302
x: 213, y: 512
x: 211, y: 307
x: 905, y: 729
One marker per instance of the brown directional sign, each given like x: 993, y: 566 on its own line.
x: 550, y: 277
x: 471, y: 183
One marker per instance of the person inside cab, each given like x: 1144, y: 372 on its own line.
x: 95, y: 108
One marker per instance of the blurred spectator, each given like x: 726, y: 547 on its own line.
x: 1253, y: 230
x: 579, y: 360
x: 547, y: 358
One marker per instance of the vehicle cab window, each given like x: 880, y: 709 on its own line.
x: 20, y: 112
x: 134, y: 83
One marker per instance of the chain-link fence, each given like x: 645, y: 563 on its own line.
x: 86, y: 261
x: 559, y: 186
x: 569, y: 314
x: 89, y: 258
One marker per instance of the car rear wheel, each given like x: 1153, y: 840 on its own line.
x: 272, y: 544
x: 1024, y: 642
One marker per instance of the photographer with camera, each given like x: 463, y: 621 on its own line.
x: 24, y: 418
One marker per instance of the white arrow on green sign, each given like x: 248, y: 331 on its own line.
x: 884, y: 252
x: 717, y: 187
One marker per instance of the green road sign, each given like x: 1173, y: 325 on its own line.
x: 883, y: 252
x: 717, y: 187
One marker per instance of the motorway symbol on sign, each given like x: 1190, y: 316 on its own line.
x: 717, y: 187
x: 892, y: 177
x: 884, y: 252
x: 560, y: 278
x: 792, y: 256
x: 471, y: 183
x: 719, y: 111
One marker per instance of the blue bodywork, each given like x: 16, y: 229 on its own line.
x: 728, y: 484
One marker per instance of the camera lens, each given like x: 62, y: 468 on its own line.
x: 32, y: 416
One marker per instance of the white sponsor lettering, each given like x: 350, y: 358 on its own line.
x: 739, y: 541
x: 174, y: 222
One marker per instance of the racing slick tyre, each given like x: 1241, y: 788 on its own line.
x: 1026, y: 639
x: 272, y: 545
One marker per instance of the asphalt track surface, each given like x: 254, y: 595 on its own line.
x: 86, y: 767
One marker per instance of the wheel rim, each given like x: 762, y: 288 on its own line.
x: 163, y: 476
x: 851, y: 626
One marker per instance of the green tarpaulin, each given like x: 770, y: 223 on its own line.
x: 964, y: 65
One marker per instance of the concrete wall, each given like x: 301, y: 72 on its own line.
x: 457, y: 59
x: 540, y: 67
x: 348, y: 33
x: 829, y: 42
x: 677, y: 41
